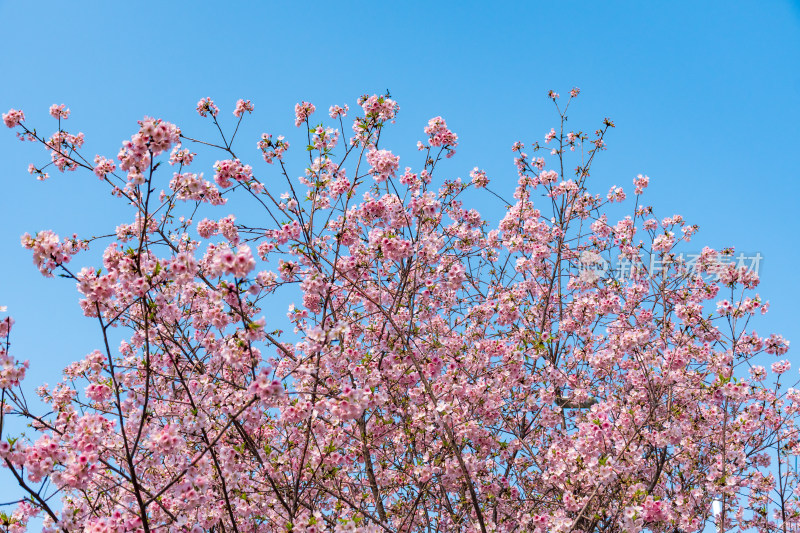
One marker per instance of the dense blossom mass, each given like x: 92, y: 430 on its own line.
x: 440, y: 372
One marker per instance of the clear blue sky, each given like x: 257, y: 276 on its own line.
x: 704, y: 96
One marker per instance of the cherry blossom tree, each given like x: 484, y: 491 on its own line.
x: 444, y: 372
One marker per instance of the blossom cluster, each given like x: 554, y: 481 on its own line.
x: 440, y: 135
x: 206, y: 106
x: 154, y: 137
x: 383, y: 164
x: 302, y: 111
x: 49, y: 251
x: 231, y: 169
x: 433, y: 369
x: 242, y: 107
x: 13, y: 118
x: 270, y: 149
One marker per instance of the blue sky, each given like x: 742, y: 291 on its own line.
x: 704, y: 96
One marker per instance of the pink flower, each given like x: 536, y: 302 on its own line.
x: 265, y: 388
x: 98, y: 392
x: 5, y: 324
x: 548, y: 176
x: 758, y: 373
x: 479, y: 179
x: 103, y: 166
x: 456, y: 276
x: 641, y: 183
x: 49, y: 252
x: 378, y: 108
x: 167, y: 439
x: 13, y: 117
x: 58, y: 111
x: 227, y: 227
x: 440, y: 135
x: 302, y: 111
x: 11, y: 371
x: 336, y: 111
x: 724, y: 308
x: 664, y: 242
x: 241, y: 107
x: 777, y: 345
x: 181, y: 157
x: 616, y: 194
x: 39, y: 173
x: 231, y: 169
x: 324, y: 139
x: 390, y: 285
x: 383, y: 164
x: 190, y: 186
x: 572, y: 137
x: 270, y: 149
x: 779, y: 367
x: 206, y: 228
x: 245, y: 262
x: 206, y: 106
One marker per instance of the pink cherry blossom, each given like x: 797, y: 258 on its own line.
x: 103, y: 166
x: 378, y: 108
x: 243, y: 106
x: 272, y: 149
x: 206, y: 106
x: 440, y: 135
x: 479, y: 178
x: 59, y: 111
x: 302, y: 111
x: 180, y: 156
x: 335, y: 353
x: 336, y: 111
x: 231, y: 169
x: 641, y: 183
x: 13, y: 118
x: 383, y: 164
